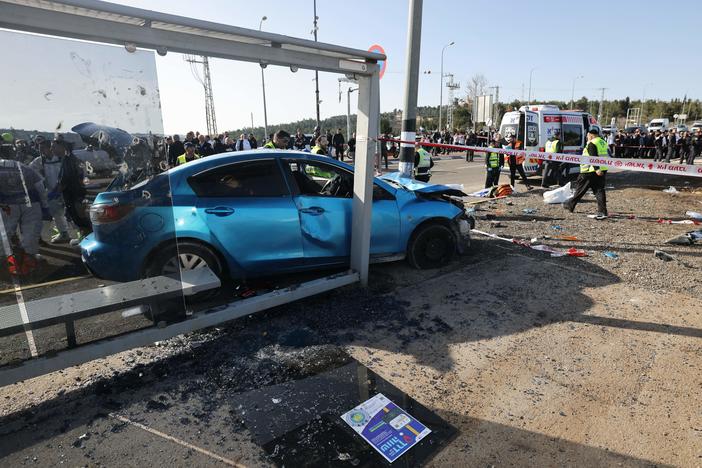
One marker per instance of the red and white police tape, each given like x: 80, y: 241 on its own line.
x: 616, y: 163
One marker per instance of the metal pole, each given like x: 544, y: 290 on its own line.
x: 316, y: 73
x: 531, y: 72
x: 263, y: 86
x: 348, y: 114
x: 252, y: 127
x: 441, y: 83
x: 409, y: 111
x: 572, y: 93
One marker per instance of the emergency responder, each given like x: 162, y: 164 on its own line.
x: 494, y: 163
x: 551, y: 170
x: 23, y: 204
x: 189, y: 154
x: 515, y: 161
x: 280, y: 140
x: 321, y: 146
x: 48, y: 165
x: 591, y: 176
x: 422, y: 164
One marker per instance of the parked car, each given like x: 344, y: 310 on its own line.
x: 97, y: 162
x: 681, y: 128
x: 264, y: 212
x: 658, y: 125
x: 696, y: 126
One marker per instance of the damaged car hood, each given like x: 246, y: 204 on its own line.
x: 421, y: 187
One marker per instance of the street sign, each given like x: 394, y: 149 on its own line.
x: 381, y: 63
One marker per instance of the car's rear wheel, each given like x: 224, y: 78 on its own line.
x: 185, y: 256
x: 431, y: 246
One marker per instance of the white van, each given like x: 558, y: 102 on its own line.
x: 658, y: 124
x: 542, y: 121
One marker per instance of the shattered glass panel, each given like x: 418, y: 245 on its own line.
x: 298, y: 422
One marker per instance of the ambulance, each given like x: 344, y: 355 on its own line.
x: 541, y: 121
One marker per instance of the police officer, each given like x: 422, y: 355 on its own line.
x: 551, y: 169
x: 280, y: 140
x: 422, y: 164
x: 592, y: 177
x: 22, y: 203
x: 189, y: 154
x: 321, y: 146
x: 494, y: 163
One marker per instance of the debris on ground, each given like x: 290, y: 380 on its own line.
x: 610, y: 254
x: 665, y: 256
x: 694, y: 215
x: 688, y: 238
x: 529, y: 210
x: 671, y: 190
x: 683, y: 221
x: 559, y: 195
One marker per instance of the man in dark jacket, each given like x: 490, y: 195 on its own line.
x: 73, y: 189
x: 175, y: 149
x: 672, y: 145
x: 338, y: 142
x: 204, y: 148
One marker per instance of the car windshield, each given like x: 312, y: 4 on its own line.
x: 656, y: 124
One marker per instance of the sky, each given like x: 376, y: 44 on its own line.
x: 630, y: 47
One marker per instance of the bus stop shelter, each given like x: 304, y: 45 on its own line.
x: 108, y: 23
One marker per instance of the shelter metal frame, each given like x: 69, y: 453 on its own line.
x: 108, y: 23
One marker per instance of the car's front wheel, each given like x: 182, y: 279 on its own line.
x: 431, y: 246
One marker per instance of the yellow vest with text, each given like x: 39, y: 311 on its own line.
x: 602, y: 150
x: 182, y: 159
x: 269, y: 145
x: 318, y: 150
x: 424, y: 160
x: 493, y: 159
x: 551, y: 146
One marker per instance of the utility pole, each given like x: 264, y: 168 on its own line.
x: 441, y: 84
x: 409, y: 111
x: 316, y: 72
x: 600, y: 110
x: 206, y: 83
x: 572, y: 92
x: 493, y: 114
x: 348, y: 103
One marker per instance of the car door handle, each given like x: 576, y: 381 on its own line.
x: 220, y: 211
x: 313, y: 210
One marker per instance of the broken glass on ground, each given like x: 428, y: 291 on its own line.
x: 298, y: 422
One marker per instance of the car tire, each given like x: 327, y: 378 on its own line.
x: 191, y: 255
x: 431, y: 246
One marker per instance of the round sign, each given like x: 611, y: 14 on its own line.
x: 381, y: 63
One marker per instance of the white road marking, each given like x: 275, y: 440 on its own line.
x: 176, y: 440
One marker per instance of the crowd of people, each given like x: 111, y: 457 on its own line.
x: 196, y: 145
x: 666, y: 145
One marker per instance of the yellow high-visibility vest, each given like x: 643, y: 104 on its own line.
x: 602, y: 150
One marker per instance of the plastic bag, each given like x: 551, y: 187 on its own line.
x: 559, y: 195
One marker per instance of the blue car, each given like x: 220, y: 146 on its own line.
x: 266, y: 212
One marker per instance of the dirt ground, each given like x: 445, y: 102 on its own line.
x: 536, y: 361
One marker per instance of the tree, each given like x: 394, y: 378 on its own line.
x: 385, y: 126
x: 477, y: 85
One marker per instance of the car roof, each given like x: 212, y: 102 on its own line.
x: 251, y: 155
